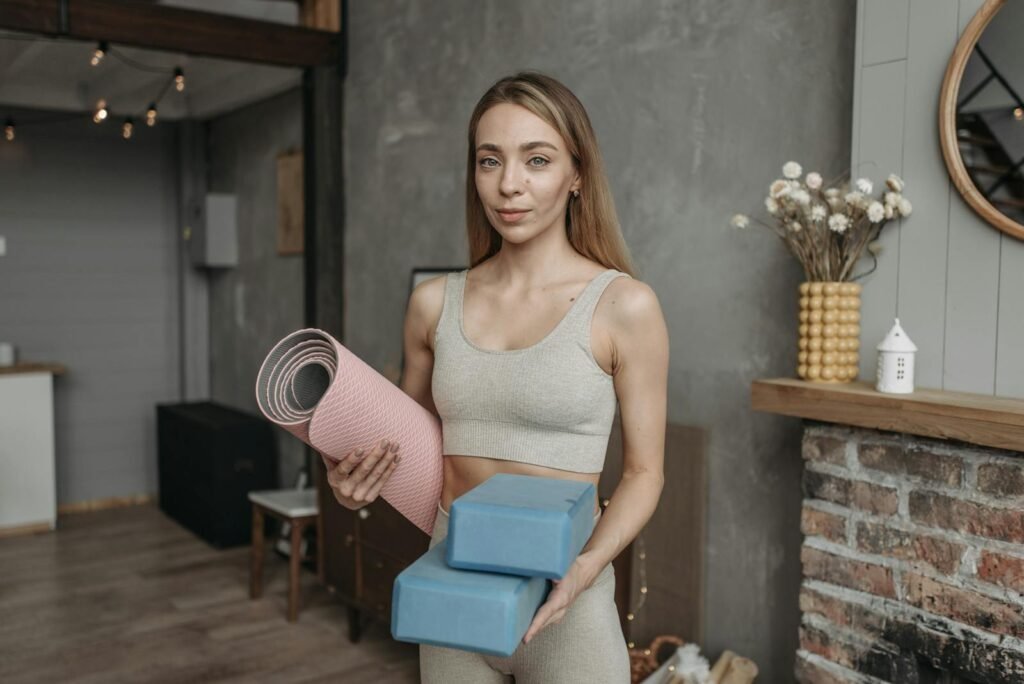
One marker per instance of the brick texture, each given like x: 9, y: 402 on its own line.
x: 939, y: 510
x: 963, y: 605
x: 847, y: 572
x: 866, y: 496
x: 824, y: 449
x: 1002, y: 479
x: 815, y: 523
x: 918, y: 462
x: 811, y: 673
x: 942, y: 555
x: 1006, y: 571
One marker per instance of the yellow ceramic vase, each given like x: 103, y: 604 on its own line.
x: 829, y: 331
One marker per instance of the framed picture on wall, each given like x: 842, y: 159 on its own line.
x: 290, y: 204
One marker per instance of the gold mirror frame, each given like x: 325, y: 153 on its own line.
x: 947, y: 122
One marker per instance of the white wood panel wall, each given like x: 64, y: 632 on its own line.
x: 955, y: 282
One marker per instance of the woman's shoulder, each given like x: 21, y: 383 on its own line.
x: 628, y: 303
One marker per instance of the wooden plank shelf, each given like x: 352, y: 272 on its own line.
x: 55, y: 368
x: 975, y: 418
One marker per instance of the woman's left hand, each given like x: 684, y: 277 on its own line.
x: 562, y: 595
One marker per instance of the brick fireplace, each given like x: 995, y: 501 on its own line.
x: 913, y: 551
x: 913, y: 559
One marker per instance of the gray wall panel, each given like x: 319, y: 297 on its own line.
x: 884, y: 26
x: 880, y: 120
x: 89, y: 281
x: 952, y: 274
x: 923, y: 239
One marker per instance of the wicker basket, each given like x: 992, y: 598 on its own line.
x: 644, y: 661
x: 829, y: 331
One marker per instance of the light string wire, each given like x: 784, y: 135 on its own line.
x: 173, y: 71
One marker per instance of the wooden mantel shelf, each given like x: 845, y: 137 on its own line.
x: 975, y: 418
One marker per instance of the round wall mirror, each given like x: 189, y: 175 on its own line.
x: 981, y: 115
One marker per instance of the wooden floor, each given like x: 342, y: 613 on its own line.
x: 127, y: 595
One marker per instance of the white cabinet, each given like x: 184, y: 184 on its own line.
x: 28, y: 487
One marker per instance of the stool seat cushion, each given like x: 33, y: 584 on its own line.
x: 521, y: 525
x: 291, y: 503
x: 487, y: 613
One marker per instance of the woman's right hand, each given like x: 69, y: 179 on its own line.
x: 357, y: 479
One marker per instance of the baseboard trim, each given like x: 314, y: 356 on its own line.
x: 104, y: 504
x: 23, y: 530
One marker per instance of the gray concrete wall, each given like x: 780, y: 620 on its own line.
x: 696, y: 104
x: 90, y: 281
x: 950, y: 277
x: 256, y: 303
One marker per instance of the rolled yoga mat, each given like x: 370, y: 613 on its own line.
x: 325, y: 395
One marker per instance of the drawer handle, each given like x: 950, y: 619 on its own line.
x: 379, y: 565
x: 349, y: 539
x: 380, y: 607
x: 363, y: 514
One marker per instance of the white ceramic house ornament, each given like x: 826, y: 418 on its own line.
x: 896, y: 362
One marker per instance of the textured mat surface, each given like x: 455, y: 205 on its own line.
x: 325, y: 395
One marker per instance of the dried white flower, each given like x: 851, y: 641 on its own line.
x: 801, y: 197
x: 740, y: 221
x: 838, y: 222
x: 854, y: 199
x: 819, y: 212
x: 864, y: 185
x: 835, y: 203
x: 876, y: 212
x: 888, y: 212
x: 892, y: 199
x: 905, y: 207
x: 875, y: 247
x: 794, y: 226
x: 771, y: 205
x: 832, y: 193
x: 894, y: 182
x: 792, y: 170
x: 779, y: 188
x: 814, y: 180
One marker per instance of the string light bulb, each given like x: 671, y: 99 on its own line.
x: 1018, y: 113
x: 9, y: 130
x: 179, y: 79
x: 99, y: 53
x: 101, y: 112
x: 126, y: 128
x: 151, y: 115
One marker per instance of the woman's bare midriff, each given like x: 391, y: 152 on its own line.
x: 462, y: 473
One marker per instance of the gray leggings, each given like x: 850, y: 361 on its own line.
x: 586, y: 646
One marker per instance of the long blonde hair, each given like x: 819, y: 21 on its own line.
x: 591, y: 224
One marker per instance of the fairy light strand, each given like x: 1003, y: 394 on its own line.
x: 101, y: 112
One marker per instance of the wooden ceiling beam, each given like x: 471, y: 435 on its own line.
x: 175, y: 29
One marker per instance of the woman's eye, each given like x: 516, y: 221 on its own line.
x: 542, y: 159
x: 483, y: 162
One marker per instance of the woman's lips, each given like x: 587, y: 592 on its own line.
x: 512, y: 216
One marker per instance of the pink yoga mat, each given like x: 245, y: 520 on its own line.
x: 322, y: 393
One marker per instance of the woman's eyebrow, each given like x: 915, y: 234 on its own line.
x: 525, y: 146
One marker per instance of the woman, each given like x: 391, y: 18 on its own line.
x: 523, y: 357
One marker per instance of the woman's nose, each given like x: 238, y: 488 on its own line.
x: 511, y: 180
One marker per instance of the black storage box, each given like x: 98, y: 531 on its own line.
x: 210, y: 456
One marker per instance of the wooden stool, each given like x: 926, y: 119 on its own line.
x: 297, y: 507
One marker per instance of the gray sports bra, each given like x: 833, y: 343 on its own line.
x: 549, y: 404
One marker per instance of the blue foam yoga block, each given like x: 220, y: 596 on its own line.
x: 521, y: 525
x: 489, y: 613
